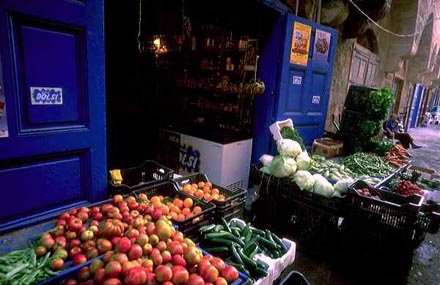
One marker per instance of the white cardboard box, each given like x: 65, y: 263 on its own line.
x: 277, y: 126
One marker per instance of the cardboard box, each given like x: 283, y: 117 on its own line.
x: 327, y: 147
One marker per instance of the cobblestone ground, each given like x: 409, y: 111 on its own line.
x: 422, y: 266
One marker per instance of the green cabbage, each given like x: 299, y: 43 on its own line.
x: 322, y: 186
x: 288, y: 147
x: 303, y: 160
x: 283, y: 166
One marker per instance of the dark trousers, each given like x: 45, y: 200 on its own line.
x: 404, y: 138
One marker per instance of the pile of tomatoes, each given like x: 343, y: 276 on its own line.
x: 407, y: 188
x: 132, y: 241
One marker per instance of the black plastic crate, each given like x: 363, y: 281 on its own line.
x: 391, y: 210
x: 357, y: 97
x: 286, y: 188
x: 234, y: 201
x: 189, y: 227
x: 428, y: 219
x: 293, y: 278
x: 135, y: 178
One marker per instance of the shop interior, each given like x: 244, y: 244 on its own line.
x: 181, y: 65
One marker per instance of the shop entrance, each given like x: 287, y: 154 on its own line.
x: 53, y: 157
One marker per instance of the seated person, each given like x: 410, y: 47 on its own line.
x: 390, y: 128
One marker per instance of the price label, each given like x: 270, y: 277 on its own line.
x: 46, y: 96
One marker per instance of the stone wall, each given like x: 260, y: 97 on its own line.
x: 340, y: 80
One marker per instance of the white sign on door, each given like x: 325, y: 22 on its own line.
x: 46, y: 96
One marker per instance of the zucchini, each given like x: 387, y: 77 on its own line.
x: 258, y: 232
x: 260, y: 271
x: 218, y: 228
x: 248, y: 236
x: 245, y: 231
x: 280, y: 243
x: 252, y: 264
x: 235, y: 232
x: 252, y: 253
x: 216, y: 249
x: 269, y: 236
x: 236, y: 255
x: 225, y: 242
x: 225, y: 224
x: 206, y: 229
x: 234, y: 239
x: 250, y: 249
x: 268, y: 243
x: 216, y: 235
x: 253, y: 240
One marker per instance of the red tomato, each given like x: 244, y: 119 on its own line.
x: 57, y: 264
x: 135, y: 276
x: 113, y: 269
x: 195, y: 279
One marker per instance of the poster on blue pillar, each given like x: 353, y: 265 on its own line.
x: 322, y: 45
x: 3, y: 119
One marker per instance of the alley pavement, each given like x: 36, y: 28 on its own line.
x: 419, y: 267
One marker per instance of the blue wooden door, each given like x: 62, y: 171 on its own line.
x: 52, y: 59
x: 292, y: 91
x: 304, y: 89
x: 415, y: 105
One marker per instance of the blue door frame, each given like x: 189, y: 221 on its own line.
x: 52, y: 56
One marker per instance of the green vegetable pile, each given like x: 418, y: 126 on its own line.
x: 328, y: 168
x: 369, y: 129
x: 416, y: 178
x: 381, y: 147
x: 379, y: 103
x: 292, y: 134
x: 367, y: 164
x: 240, y: 243
x: 21, y: 267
